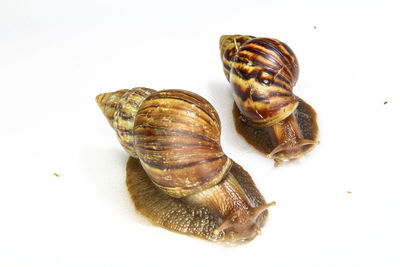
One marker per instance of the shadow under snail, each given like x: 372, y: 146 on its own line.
x: 177, y: 175
x: 262, y: 73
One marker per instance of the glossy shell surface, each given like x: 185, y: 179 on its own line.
x: 177, y: 139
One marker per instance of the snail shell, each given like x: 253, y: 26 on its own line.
x: 120, y: 109
x: 262, y: 73
x: 175, y: 135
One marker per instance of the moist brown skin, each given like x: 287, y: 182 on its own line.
x: 295, y: 135
x: 202, y: 214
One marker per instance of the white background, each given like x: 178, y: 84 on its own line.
x: 56, y: 56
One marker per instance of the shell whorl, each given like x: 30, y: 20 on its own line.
x: 262, y: 72
x: 174, y: 133
x: 177, y: 140
x: 120, y: 108
x: 108, y: 103
x: 228, y: 46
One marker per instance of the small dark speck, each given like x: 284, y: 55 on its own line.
x: 56, y: 174
x: 385, y: 102
x: 349, y: 192
x: 315, y: 27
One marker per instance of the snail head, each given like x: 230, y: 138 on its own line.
x: 242, y: 228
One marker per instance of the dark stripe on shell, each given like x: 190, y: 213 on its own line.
x: 166, y: 146
x: 256, y: 74
x: 268, y: 69
x: 111, y: 105
x: 278, y: 94
x: 123, y: 131
x: 288, y: 61
x: 141, y: 131
x: 238, y: 91
x: 187, y: 101
x: 172, y: 108
x: 143, y: 92
x: 181, y: 166
x: 273, y: 46
x: 125, y: 116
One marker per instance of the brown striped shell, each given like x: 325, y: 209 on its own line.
x: 262, y: 72
x: 174, y: 133
x: 120, y: 109
x: 176, y: 138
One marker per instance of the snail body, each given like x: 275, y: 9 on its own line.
x: 181, y: 173
x: 200, y: 214
x: 262, y: 73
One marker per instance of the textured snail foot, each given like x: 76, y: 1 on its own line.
x: 165, y: 211
x: 287, y: 140
x: 181, y: 216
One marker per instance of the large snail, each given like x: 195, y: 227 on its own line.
x: 178, y: 176
x: 262, y: 73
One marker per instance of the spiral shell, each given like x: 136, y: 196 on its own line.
x: 262, y: 72
x: 177, y: 140
x: 228, y: 46
x: 175, y: 135
x: 120, y: 109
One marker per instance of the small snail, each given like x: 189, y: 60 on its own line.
x: 262, y: 73
x: 178, y: 176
